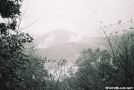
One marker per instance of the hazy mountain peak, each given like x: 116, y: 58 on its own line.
x: 57, y: 36
x: 50, y: 38
x: 61, y: 44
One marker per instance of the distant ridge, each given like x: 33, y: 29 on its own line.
x: 69, y: 51
x: 58, y: 36
x: 60, y: 44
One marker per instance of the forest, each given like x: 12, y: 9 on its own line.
x: 22, y: 69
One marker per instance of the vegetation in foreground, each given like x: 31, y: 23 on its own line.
x: 20, y: 69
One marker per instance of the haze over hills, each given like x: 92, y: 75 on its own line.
x: 69, y: 51
x: 57, y: 45
x: 59, y: 36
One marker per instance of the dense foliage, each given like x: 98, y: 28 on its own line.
x: 17, y: 65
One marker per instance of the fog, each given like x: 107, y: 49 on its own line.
x: 79, y: 16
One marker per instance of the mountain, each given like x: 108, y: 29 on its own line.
x: 60, y: 45
x: 58, y: 36
x: 69, y: 51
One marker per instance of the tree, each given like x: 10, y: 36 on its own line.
x: 96, y: 71
x: 87, y: 76
x: 121, y: 46
x: 35, y: 75
x: 12, y: 43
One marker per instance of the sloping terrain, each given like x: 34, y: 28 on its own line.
x: 69, y: 51
x: 60, y: 45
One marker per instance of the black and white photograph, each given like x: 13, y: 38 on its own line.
x: 66, y: 44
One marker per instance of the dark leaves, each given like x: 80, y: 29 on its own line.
x: 13, y: 25
x: 9, y: 9
x: 3, y: 28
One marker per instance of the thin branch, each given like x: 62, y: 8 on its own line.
x: 30, y: 24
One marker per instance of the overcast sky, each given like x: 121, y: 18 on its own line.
x: 75, y: 15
